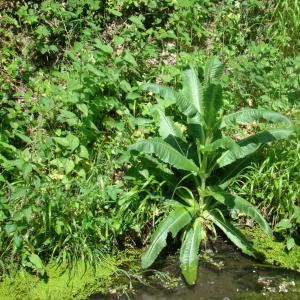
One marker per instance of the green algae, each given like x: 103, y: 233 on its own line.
x: 106, y: 277
x: 274, y: 251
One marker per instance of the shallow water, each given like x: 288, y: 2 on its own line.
x: 228, y: 275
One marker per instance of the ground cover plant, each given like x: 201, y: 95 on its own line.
x: 199, y: 151
x: 71, y: 103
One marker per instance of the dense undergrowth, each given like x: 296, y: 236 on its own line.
x: 71, y: 103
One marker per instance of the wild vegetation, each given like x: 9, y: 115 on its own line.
x: 73, y: 89
x: 209, y: 159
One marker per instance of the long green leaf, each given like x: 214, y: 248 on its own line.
x: 189, y: 252
x: 223, y: 143
x: 167, y: 126
x: 166, y: 153
x: 241, y: 205
x: 164, y: 91
x: 268, y: 135
x: 173, y: 223
x: 196, y: 126
x: 213, y: 70
x: 184, y: 105
x: 192, y: 88
x: 232, y: 232
x: 233, y: 155
x: 251, y: 144
x: 250, y: 115
x: 212, y: 103
x: 171, y: 133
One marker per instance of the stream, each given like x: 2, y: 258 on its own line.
x: 225, y: 275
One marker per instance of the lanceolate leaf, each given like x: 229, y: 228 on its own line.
x: 166, y: 153
x: 212, y: 104
x: 167, y: 126
x: 224, y: 143
x: 184, y: 105
x: 173, y: 223
x: 163, y: 91
x: 232, y: 171
x: 251, y: 144
x: 171, y: 133
x: 267, y: 136
x: 231, y: 232
x: 213, y: 70
x: 192, y: 89
x: 250, y: 115
x: 196, y: 128
x: 241, y: 205
x: 189, y: 252
x: 231, y: 156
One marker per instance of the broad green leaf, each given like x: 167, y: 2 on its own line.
x: 213, y: 70
x: 232, y: 232
x: 241, y: 205
x: 173, y: 223
x: 266, y: 136
x: 184, y: 105
x: 196, y: 128
x: 130, y: 59
x: 83, y: 152
x: 62, y: 141
x: 10, y: 228
x: 17, y: 241
x: 37, y: 262
x: 114, y: 12
x: 137, y: 20
x: 233, y: 155
x: 166, y: 153
x: 69, y: 165
x: 192, y: 89
x: 167, y: 126
x: 290, y: 243
x: 251, y: 144
x: 170, y: 132
x: 70, y: 141
x: 284, y: 224
x: 83, y: 108
x: 164, y: 91
x: 212, y: 102
x: 232, y: 171
x: 250, y: 115
x: 26, y: 169
x: 73, y: 141
x: 223, y: 143
x: 189, y: 252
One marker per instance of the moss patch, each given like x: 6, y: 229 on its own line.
x: 275, y: 252
x: 61, y: 284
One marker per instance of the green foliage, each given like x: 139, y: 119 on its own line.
x: 273, y: 186
x: 275, y: 251
x: 68, y: 223
x: 199, y: 156
x: 71, y: 102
